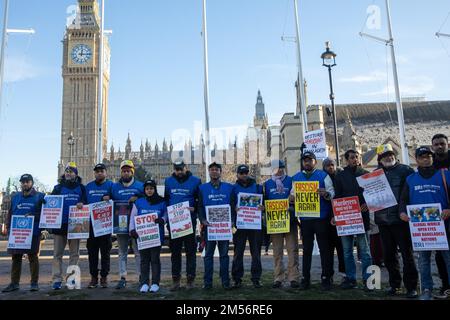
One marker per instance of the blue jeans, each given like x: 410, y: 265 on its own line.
x: 425, y: 267
x: 224, y: 261
x: 362, y: 241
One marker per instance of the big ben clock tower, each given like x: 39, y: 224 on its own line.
x: 80, y: 71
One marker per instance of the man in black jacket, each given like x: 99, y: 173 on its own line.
x: 441, y: 161
x: 346, y: 185
x: 393, y: 231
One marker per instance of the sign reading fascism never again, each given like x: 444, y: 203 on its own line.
x: 277, y: 216
x: 307, y: 199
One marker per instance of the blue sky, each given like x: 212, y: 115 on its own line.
x: 157, y: 66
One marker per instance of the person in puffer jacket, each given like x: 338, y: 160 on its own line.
x: 393, y: 231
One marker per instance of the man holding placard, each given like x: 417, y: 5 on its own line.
x: 313, y: 189
x: 97, y: 191
x: 23, y: 224
x: 147, y: 220
x: 249, y: 197
x: 124, y: 193
x: 216, y: 212
x: 182, y: 187
x: 346, y: 185
x: 71, y: 188
x: 393, y: 231
x: 276, y: 193
x: 425, y: 204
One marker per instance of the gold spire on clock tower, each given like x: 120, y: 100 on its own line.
x: 80, y: 72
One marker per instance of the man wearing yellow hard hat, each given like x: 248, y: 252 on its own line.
x: 124, y: 193
x: 393, y: 231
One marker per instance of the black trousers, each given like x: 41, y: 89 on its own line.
x: 393, y: 237
x: 320, y: 228
x: 336, y: 243
x: 442, y: 269
x: 150, y: 257
x: 190, y: 246
x: 240, y: 238
x: 104, y: 245
x: 266, y: 239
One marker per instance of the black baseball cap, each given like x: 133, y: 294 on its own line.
x: 423, y: 150
x: 26, y: 177
x: 150, y: 183
x: 243, y: 168
x: 179, y: 164
x: 100, y: 166
x: 309, y: 155
x: 215, y: 164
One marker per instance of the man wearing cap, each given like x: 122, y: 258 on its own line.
x: 318, y: 227
x: 329, y: 166
x: 441, y: 161
x: 246, y: 184
x: 70, y: 186
x: 427, y: 186
x: 99, y: 190
x: 127, y: 190
x: 393, y: 231
x: 346, y: 185
x: 28, y: 202
x: 279, y: 187
x: 182, y: 186
x: 216, y: 192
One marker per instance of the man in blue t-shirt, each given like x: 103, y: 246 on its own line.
x: 96, y: 191
x: 124, y: 193
x: 216, y: 193
x: 70, y: 186
x: 427, y: 186
x: 180, y: 187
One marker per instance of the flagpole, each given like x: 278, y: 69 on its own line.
x: 206, y: 95
x: 401, y: 120
x: 3, y: 50
x: 301, y: 87
x: 100, y: 85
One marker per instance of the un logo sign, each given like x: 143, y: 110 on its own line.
x: 73, y: 280
x: 374, y: 280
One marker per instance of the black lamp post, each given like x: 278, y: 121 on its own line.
x: 71, y: 142
x: 329, y: 61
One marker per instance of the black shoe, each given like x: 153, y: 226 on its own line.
x: 237, y: 284
x: 277, y: 285
x: 411, y: 294
x: 11, y: 287
x: 348, y: 284
x: 326, y: 284
x: 295, y: 284
x: 121, y: 284
x: 207, y: 286
x: 393, y: 292
x: 305, y: 284
x: 257, y: 284
x: 226, y: 286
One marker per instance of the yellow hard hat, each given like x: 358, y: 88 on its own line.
x: 127, y: 163
x: 384, y: 148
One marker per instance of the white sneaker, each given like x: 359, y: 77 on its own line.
x: 144, y: 288
x: 154, y: 288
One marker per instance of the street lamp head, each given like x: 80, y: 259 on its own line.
x: 71, y: 140
x: 328, y: 57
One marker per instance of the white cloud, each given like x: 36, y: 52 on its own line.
x: 412, y: 86
x: 373, y: 76
x: 18, y: 68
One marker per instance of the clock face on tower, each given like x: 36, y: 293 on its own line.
x: 81, y: 54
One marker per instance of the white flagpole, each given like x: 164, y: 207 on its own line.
x: 401, y: 120
x: 300, y: 75
x: 3, y: 50
x: 100, y: 85
x: 206, y: 95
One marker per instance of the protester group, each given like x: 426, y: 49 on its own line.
x: 336, y: 208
